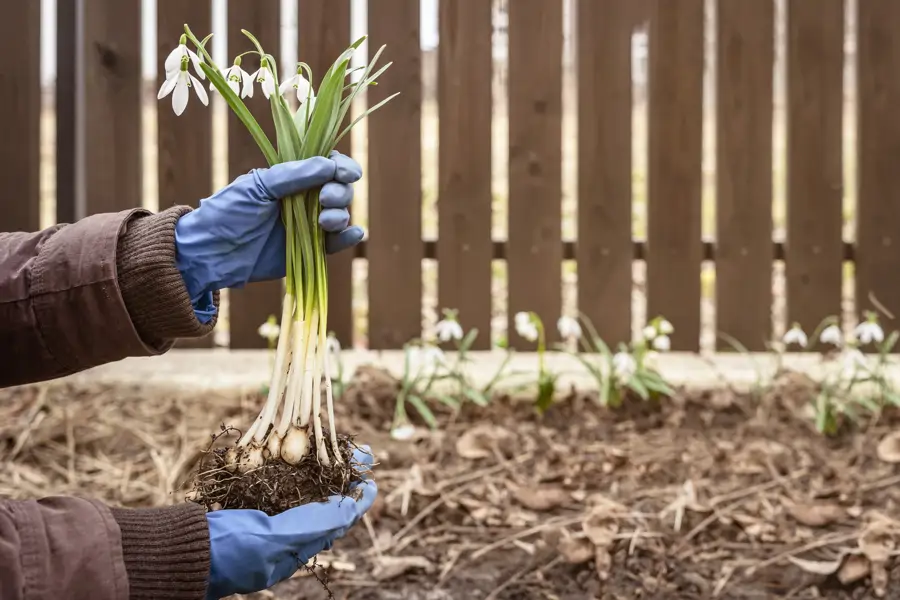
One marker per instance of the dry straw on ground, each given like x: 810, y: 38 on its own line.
x: 709, y: 496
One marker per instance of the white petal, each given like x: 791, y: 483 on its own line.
x: 662, y: 343
x: 268, y: 85
x: 287, y: 84
x: 167, y: 87
x: 649, y: 332
x: 180, y: 97
x: 173, y: 61
x: 666, y: 328
x: 302, y: 88
x: 248, y: 84
x: 201, y: 93
x: 196, y: 60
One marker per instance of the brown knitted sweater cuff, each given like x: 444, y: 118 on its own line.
x: 151, y: 284
x: 166, y: 551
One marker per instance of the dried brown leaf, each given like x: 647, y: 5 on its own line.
x: 389, y: 567
x: 478, y: 442
x: 603, y: 563
x: 817, y: 567
x: 576, y: 551
x: 816, y: 514
x: 600, y: 528
x: 855, y: 568
x: 889, y: 448
x: 541, y: 498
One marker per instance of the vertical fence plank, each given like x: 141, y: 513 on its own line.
x: 20, y: 107
x: 535, y: 162
x: 746, y: 55
x: 184, y: 147
x: 464, y: 246
x: 878, y: 215
x: 324, y: 32
x: 109, y: 107
x: 395, y: 178
x: 815, y: 71
x: 66, y: 23
x: 675, y: 164
x: 604, y: 250
x: 250, y: 306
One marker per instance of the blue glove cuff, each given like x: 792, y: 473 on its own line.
x: 204, y: 307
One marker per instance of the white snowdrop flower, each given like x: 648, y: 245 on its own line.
x: 177, y: 56
x: 624, y: 365
x: 265, y: 78
x: 179, y: 85
x: 663, y: 343
x: 299, y: 83
x: 332, y: 344
x: 832, y: 335
x: 526, y: 327
x: 448, y: 329
x: 569, y: 328
x: 424, y: 361
x: 795, y: 335
x: 666, y: 328
x: 403, y: 432
x: 869, y: 331
x: 239, y: 80
x: 852, y: 361
x: 649, y: 332
x: 269, y: 330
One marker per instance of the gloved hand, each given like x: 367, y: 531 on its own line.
x: 236, y: 236
x: 250, y: 551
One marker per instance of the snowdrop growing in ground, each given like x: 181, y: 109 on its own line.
x: 448, y: 329
x: 795, y: 336
x: 269, y: 330
x: 662, y: 343
x: 526, y: 327
x: 832, y: 335
x: 569, y: 328
x: 624, y: 366
x: 869, y: 331
x: 403, y: 432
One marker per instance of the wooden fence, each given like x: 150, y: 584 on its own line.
x: 98, y: 131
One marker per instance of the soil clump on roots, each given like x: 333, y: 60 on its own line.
x: 276, y: 486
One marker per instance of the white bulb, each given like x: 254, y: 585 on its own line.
x: 252, y: 458
x: 295, y: 445
x: 273, y: 445
x: 231, y: 459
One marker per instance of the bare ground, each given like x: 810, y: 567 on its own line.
x: 709, y: 495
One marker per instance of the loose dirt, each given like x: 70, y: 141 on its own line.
x: 707, y: 495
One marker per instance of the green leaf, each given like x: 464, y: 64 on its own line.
x: 242, y: 113
x: 467, y: 341
x: 476, y: 397
x: 546, y: 386
x: 639, y: 388
x: 448, y: 400
x: 424, y: 411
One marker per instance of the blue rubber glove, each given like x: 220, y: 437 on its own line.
x: 236, y: 236
x: 250, y: 551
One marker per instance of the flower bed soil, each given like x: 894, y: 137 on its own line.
x: 709, y: 495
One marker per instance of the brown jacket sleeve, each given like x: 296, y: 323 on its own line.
x: 110, y: 273
x: 73, y: 297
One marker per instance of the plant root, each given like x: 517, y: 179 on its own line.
x: 275, y: 486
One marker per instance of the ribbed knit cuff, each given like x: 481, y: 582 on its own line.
x: 166, y: 551
x: 151, y: 284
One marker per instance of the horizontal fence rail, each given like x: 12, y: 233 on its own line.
x: 512, y: 64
